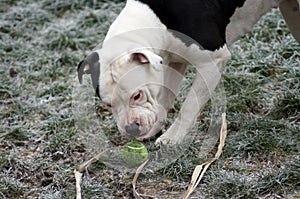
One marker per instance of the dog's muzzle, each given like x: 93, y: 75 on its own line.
x: 133, y: 129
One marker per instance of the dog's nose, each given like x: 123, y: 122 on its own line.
x: 133, y: 129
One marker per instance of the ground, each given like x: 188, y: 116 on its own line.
x: 41, y: 43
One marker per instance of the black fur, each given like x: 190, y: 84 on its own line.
x: 93, y: 61
x: 204, y: 21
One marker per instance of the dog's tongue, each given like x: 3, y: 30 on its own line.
x: 133, y: 129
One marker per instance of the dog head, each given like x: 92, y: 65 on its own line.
x: 133, y: 86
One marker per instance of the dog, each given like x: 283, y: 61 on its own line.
x: 139, y: 68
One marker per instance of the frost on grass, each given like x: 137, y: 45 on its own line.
x: 41, y: 43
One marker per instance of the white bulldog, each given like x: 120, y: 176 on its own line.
x: 139, y: 69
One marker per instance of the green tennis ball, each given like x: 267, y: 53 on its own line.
x: 135, y: 153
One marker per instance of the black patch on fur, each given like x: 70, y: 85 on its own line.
x: 204, y: 21
x: 94, y: 70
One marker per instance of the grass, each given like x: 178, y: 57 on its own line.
x: 41, y: 43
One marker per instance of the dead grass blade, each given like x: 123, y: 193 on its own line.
x: 201, y: 169
x: 82, y: 167
x: 137, y: 173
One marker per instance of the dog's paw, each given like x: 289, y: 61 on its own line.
x: 173, y: 136
x: 167, y: 140
x: 164, y: 140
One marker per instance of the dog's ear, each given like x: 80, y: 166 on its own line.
x: 91, y: 66
x: 146, y: 57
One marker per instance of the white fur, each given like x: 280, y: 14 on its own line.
x: 135, y: 15
x: 245, y: 17
x: 138, y: 30
x: 120, y: 77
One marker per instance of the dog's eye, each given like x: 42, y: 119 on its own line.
x: 108, y: 105
x: 137, y: 97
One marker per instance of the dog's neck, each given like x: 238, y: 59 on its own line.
x: 134, y: 16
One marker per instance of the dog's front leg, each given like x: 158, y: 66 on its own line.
x: 209, y: 66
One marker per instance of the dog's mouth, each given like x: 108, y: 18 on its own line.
x: 155, y: 129
x: 143, y: 122
x: 143, y: 126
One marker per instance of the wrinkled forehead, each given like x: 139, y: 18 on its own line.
x: 120, y: 82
